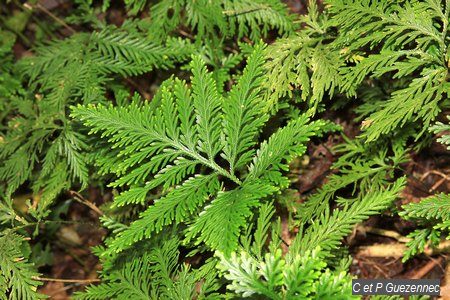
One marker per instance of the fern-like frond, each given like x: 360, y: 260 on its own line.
x: 327, y: 231
x: 129, y: 53
x: 17, y: 276
x: 178, y: 135
x: 207, y: 103
x: 306, y: 61
x: 419, y: 239
x: 256, y: 18
x: 435, y: 207
x: 318, y: 202
x: 230, y: 209
x: 441, y: 128
x: 282, y: 146
x: 419, y: 100
x: 243, y: 116
x: 304, y: 277
x: 175, y: 207
x: 155, y: 274
x: 404, y: 41
x: 362, y: 167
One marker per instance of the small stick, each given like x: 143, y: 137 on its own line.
x: 184, y: 33
x: 50, y: 14
x: 437, y: 184
x: 399, y: 249
x: 426, y: 174
x: 80, y: 199
x: 383, y: 232
x: 427, y: 268
x: 139, y: 89
x: 66, y: 280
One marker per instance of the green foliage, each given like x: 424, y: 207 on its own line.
x: 330, y: 228
x: 305, y: 60
x: 305, y: 277
x: 365, y: 168
x: 41, y: 143
x: 209, y: 19
x: 165, y: 144
x: 375, y: 40
x: 197, y: 169
x: 154, y: 274
x: 254, y: 271
x: 434, y: 211
x: 441, y: 128
x: 17, y: 275
x: 411, y: 40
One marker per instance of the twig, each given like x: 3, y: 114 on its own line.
x: 426, y: 174
x: 80, y: 199
x: 234, y: 13
x: 427, y: 268
x: 437, y: 184
x: 64, y: 288
x: 50, y: 14
x: 383, y: 232
x: 399, y: 250
x: 141, y: 91
x: 66, y: 280
x: 445, y: 283
x: 184, y: 33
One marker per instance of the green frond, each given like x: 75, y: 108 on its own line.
x: 135, y: 6
x: 205, y: 17
x: 382, y: 63
x: 288, y: 142
x: 406, y: 44
x: 129, y: 53
x: 17, y: 275
x: 243, y: 113
x: 273, y: 277
x: 263, y: 225
x: 207, y: 103
x: 441, y: 128
x: 418, y: 101
x: 434, y: 211
x: 435, y: 207
x: 71, y: 146
x: 327, y: 231
x: 154, y: 274
x: 366, y: 175
x: 17, y: 168
x: 175, y: 207
x: 166, y: 17
x: 255, y: 18
x: 230, y: 209
x: 305, y: 61
x: 420, y: 238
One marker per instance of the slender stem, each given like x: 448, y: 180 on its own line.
x: 79, y: 198
x: 50, y: 14
x: 48, y: 222
x: 66, y: 280
x: 208, y: 162
x: 213, y: 165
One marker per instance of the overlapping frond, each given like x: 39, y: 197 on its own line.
x: 183, y: 134
x: 17, y: 275
x: 305, y: 277
x: 327, y: 231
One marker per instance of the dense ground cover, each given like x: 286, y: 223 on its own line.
x: 225, y: 149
